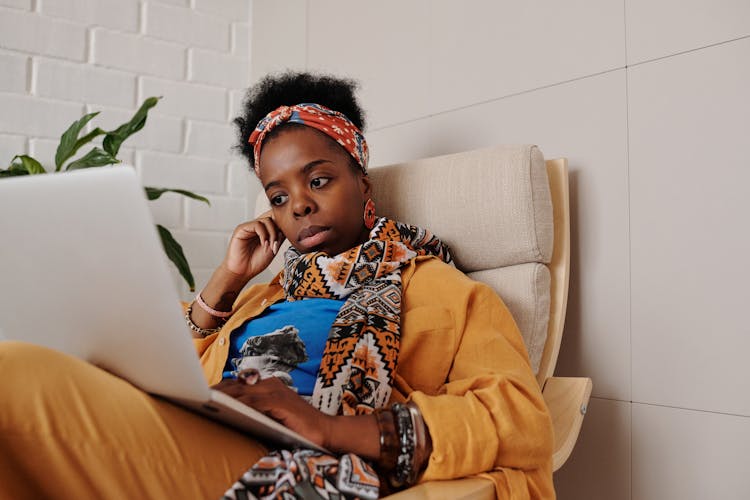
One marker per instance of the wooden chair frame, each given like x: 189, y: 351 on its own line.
x: 566, y: 397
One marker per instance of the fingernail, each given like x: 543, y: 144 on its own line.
x: 276, y: 248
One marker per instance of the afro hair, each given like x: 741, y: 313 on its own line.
x: 288, y: 89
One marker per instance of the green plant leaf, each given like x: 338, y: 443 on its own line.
x: 153, y: 193
x: 87, y: 138
x: 69, y: 140
x: 175, y: 254
x: 114, y: 139
x: 94, y: 158
x: 32, y: 166
x: 14, y: 170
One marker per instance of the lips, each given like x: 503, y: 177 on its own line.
x: 312, y: 235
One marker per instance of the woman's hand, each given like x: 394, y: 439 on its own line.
x: 251, y: 249
x: 253, y: 246
x: 275, y: 399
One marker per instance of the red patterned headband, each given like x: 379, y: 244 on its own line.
x: 332, y: 123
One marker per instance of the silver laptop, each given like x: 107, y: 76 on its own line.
x: 82, y: 271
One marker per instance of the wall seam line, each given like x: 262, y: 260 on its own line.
x: 697, y: 410
x: 688, y: 51
x: 629, y: 285
x: 496, y: 99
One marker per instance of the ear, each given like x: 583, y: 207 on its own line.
x: 365, y: 186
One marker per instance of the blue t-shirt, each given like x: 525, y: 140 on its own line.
x: 286, y: 341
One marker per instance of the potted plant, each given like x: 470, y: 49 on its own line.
x: 71, y: 141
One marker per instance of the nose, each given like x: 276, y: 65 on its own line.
x: 303, y: 205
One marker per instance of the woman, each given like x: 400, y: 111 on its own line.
x: 369, y: 343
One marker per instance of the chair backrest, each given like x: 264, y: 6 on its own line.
x: 494, y: 208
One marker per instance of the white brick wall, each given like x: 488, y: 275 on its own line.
x: 10, y: 146
x: 63, y: 58
x: 210, y: 140
x: 36, y: 34
x: 186, y: 99
x: 230, y: 9
x: 182, y: 3
x: 77, y: 82
x: 178, y: 171
x: 241, y: 39
x: 14, y: 74
x: 240, y: 179
x: 138, y: 54
x: 30, y: 115
x: 18, y: 4
x: 225, y: 213
x: 205, y: 249
x: 168, y: 211
x: 236, y: 98
x: 186, y: 26
x: 115, y: 14
x: 214, y: 67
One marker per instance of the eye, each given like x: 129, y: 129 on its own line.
x: 278, y: 200
x: 319, y: 182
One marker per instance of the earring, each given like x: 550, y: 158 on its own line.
x: 370, y: 214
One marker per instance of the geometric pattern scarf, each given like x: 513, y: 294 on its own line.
x: 361, y: 353
x: 359, y: 359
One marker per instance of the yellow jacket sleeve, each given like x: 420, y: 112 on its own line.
x: 489, y: 413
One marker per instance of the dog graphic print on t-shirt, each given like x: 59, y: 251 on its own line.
x: 274, y: 354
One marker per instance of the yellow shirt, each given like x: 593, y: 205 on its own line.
x: 463, y: 362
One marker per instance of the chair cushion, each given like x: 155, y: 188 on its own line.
x: 525, y: 290
x: 492, y: 206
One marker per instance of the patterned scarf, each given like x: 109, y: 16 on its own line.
x: 358, y: 362
x: 361, y: 352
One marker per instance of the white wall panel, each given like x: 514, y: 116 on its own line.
x: 599, y: 467
x: 585, y: 122
x: 483, y: 50
x: 382, y: 44
x: 689, y: 455
x: 408, y: 141
x: 689, y: 164
x: 279, y: 36
x: 658, y: 29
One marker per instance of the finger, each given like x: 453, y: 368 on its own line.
x: 280, y: 238
x: 230, y: 387
x: 249, y: 230
x: 273, y: 234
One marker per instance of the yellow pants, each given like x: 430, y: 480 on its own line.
x: 71, y: 430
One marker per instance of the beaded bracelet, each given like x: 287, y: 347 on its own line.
x: 204, y: 332
x: 210, y: 310
x: 404, y: 472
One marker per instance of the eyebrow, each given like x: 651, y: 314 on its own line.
x: 305, y: 170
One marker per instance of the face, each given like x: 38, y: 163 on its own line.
x: 316, y: 196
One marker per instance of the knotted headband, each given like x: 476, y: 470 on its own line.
x: 332, y: 123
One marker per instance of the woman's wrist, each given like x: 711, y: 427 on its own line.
x: 391, y: 438
x: 219, y: 294
x: 352, y: 434
x: 223, y: 288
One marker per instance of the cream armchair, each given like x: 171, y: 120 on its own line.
x: 504, y: 212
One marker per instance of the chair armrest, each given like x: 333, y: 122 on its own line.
x: 471, y: 488
x: 567, y: 399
